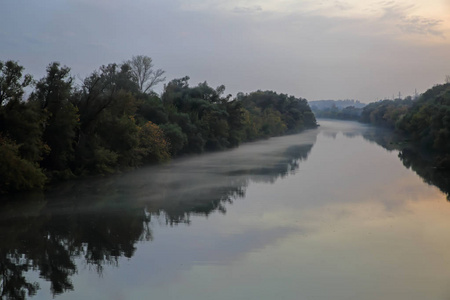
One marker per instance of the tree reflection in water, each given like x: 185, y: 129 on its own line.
x: 101, y: 220
x: 418, y: 163
x: 421, y: 162
x: 50, y: 240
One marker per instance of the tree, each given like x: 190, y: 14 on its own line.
x: 143, y: 73
x: 53, y: 94
x: 96, y: 94
x: 17, y: 173
x: 10, y: 86
x: 21, y: 146
x: 175, y: 136
x: 107, y: 137
x: 153, y: 143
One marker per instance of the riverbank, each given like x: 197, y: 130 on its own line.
x: 108, y: 124
x: 421, y: 124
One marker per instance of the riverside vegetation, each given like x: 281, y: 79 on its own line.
x: 113, y: 121
x: 423, y: 122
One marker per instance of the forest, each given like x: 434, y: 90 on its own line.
x: 423, y: 121
x: 56, y: 128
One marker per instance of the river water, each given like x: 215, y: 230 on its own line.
x: 325, y: 214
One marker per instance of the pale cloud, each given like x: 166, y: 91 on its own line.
x: 397, y: 20
x: 247, y: 9
x: 342, y: 5
x: 421, y: 25
x: 404, y: 16
x: 401, y: 19
x: 224, y: 7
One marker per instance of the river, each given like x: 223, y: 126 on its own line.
x: 325, y: 214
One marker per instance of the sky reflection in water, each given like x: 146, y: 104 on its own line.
x: 321, y: 215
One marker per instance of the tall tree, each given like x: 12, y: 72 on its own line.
x: 11, y: 82
x: 21, y: 124
x: 52, y: 94
x: 143, y: 73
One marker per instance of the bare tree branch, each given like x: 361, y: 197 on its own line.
x: 144, y: 74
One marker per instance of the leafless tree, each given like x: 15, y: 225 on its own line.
x: 144, y: 74
x: 447, y: 78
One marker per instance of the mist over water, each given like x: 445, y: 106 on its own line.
x: 325, y: 214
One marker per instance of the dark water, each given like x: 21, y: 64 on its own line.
x: 326, y: 214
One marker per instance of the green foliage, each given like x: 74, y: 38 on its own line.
x: 107, y: 126
x: 11, y: 81
x: 334, y: 112
x: 426, y: 121
x: 387, y: 112
x: 21, y: 128
x: 24, y: 124
x: 104, y: 161
x: 150, y: 108
x: 119, y: 134
x: 113, y: 121
x: 153, y: 143
x: 272, y: 114
x: 175, y: 136
x: 17, y: 173
x: 52, y: 96
x: 201, y: 114
x: 272, y: 123
x: 236, y: 122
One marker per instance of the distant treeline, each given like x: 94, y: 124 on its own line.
x: 425, y: 121
x: 337, y: 109
x: 113, y: 121
x: 324, y: 104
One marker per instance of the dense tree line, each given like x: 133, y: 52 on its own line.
x: 113, y: 121
x: 334, y: 112
x: 386, y: 113
x: 322, y: 104
x: 337, y: 109
x: 425, y: 121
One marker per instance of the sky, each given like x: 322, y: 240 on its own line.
x: 314, y: 49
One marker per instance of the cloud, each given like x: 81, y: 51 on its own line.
x: 247, y: 9
x: 401, y: 16
x: 421, y: 25
x: 342, y: 5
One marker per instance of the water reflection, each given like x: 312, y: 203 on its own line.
x: 50, y: 239
x: 94, y: 223
x: 98, y: 221
x: 412, y: 158
x: 416, y: 161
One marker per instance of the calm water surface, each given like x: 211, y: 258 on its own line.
x: 326, y: 214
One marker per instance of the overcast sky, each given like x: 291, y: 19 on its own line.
x: 349, y: 49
